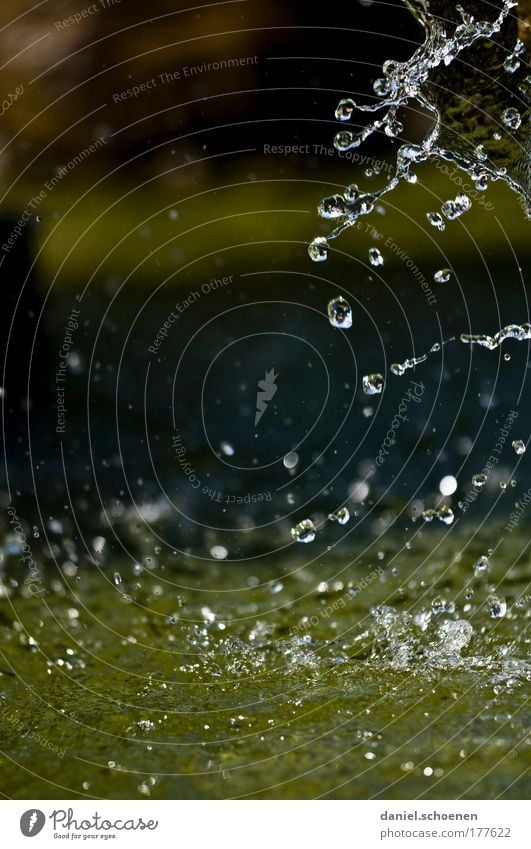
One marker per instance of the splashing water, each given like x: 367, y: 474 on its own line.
x: 417, y: 81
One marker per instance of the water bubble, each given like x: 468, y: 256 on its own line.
x: 342, y: 516
x: 373, y: 384
x: 304, y: 532
x: 345, y: 108
x: 511, y: 118
x: 479, y: 480
x: 318, y: 249
x: 332, y: 207
x: 340, y: 313
x: 436, y: 220
x: 519, y: 446
x: 507, y: 358
x: 497, y: 607
x: 375, y: 257
x: 442, y: 275
x: 291, y: 459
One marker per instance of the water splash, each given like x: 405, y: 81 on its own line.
x: 418, y: 81
x: 520, y: 332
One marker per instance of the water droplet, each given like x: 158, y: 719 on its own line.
x: 117, y: 579
x: 219, y: 552
x: 448, y: 485
x: 351, y: 193
x: 442, y: 275
x: 318, y: 249
x: 519, y: 446
x: 436, y: 220
x: 381, y: 86
x: 482, y: 565
x: 340, y: 313
x: 452, y: 209
x: 291, y: 459
x: 479, y: 480
x: 444, y: 514
x: 393, y: 128
x: 373, y: 384
x: 511, y: 118
x: 438, y: 605
x: 342, y: 516
x: 375, y: 257
x: 227, y: 449
x: 511, y: 64
x: 497, y: 607
x: 332, y: 207
x: 304, y: 532
x: 345, y: 108
x: 344, y: 140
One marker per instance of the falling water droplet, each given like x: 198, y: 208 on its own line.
x: 511, y: 118
x: 497, y: 607
x: 219, y: 552
x: 436, y: 220
x: 291, y: 459
x: 332, y: 207
x: 340, y: 313
x: 375, y: 257
x: 304, y: 531
x: 318, y: 249
x: 442, y: 275
x: 342, y: 516
x: 482, y: 565
x: 519, y: 446
x: 373, y: 384
x: 345, y: 108
x: 452, y: 209
x: 479, y: 480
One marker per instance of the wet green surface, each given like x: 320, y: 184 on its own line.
x: 233, y: 682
